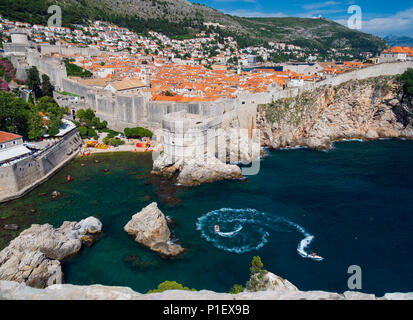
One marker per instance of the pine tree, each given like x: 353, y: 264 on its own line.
x: 47, y: 88
x: 33, y: 81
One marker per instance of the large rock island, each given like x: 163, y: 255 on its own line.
x: 196, y: 171
x: 34, y: 256
x: 149, y: 228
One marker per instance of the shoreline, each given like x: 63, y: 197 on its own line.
x: 333, y: 141
x: 129, y: 146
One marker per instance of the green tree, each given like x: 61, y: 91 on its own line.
x: 257, y: 280
x: 35, y: 126
x: 113, y: 141
x: 256, y: 265
x: 91, y: 132
x: 137, y: 132
x: 82, y: 131
x: 53, y: 128
x: 407, y: 80
x: 170, y: 285
x: 237, y: 288
x: 84, y: 115
x: 49, y: 107
x: 14, y: 114
x: 33, y: 81
x: 47, y: 88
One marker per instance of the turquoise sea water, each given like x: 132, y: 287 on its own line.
x: 355, y: 200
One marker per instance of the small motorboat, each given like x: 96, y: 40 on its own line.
x: 216, y: 228
x: 68, y: 178
x: 314, y: 256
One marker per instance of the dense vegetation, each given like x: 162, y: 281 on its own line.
x: 169, y: 285
x: 88, y: 123
x: 39, y: 88
x: 29, y: 120
x: 138, y: 132
x: 76, y: 71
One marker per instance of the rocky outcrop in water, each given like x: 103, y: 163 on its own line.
x: 149, y: 227
x: 14, y: 291
x: 197, y: 170
x: 34, y: 256
x: 367, y: 109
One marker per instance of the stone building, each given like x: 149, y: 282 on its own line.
x: 396, y: 54
x: 11, y: 147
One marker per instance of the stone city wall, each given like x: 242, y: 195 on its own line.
x: 24, y: 175
x: 47, y: 49
x: 52, y: 67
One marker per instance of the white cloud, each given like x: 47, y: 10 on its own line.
x: 399, y: 23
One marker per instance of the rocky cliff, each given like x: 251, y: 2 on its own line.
x: 366, y: 109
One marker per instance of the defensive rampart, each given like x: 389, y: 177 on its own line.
x: 22, y: 176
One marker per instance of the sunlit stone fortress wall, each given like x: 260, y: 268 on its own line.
x: 187, y: 135
x: 24, y: 175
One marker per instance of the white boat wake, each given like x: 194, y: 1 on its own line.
x: 256, y: 227
x: 229, y: 234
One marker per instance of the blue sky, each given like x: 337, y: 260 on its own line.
x: 378, y: 17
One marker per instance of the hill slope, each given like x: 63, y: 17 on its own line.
x: 180, y: 17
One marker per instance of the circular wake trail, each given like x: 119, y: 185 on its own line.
x: 243, y: 230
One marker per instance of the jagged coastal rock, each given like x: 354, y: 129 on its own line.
x: 358, y: 109
x: 34, y: 256
x: 149, y: 227
x: 195, y: 171
x: 269, y: 282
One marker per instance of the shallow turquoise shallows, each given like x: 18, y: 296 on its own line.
x: 352, y: 205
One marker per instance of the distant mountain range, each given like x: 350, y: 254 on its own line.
x: 398, y: 41
x: 180, y: 18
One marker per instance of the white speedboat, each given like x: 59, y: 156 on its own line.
x: 315, y: 257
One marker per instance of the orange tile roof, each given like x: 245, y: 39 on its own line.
x: 6, y: 136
